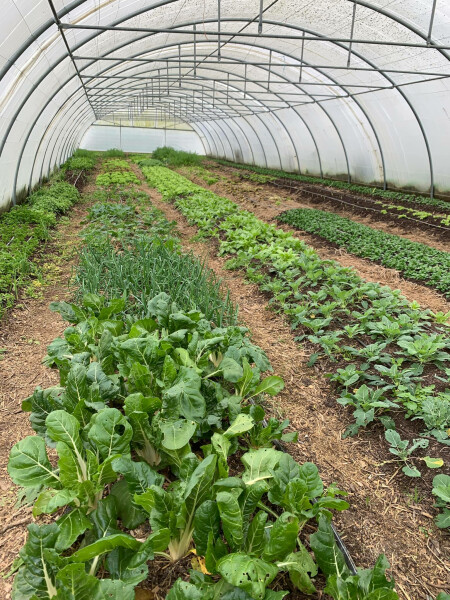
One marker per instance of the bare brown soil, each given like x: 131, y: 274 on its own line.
x: 25, y: 333
x: 416, y: 232
x: 387, y: 514
x: 259, y: 199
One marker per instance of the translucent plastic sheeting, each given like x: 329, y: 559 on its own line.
x: 140, y: 139
x: 350, y: 89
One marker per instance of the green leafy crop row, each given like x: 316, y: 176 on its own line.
x: 413, y: 260
x: 145, y: 422
x: 406, y: 212
x: 156, y: 424
x: 79, y: 163
x: 117, y: 178
x: 116, y: 164
x: 351, y: 187
x: 176, y: 158
x: 114, y: 153
x: 130, y: 251
x: 22, y: 231
x: 145, y: 161
x: 380, y: 342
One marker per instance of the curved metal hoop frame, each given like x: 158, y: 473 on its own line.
x: 219, y: 122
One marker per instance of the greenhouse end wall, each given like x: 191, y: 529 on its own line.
x: 140, y: 139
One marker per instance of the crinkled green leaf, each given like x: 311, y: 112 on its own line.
x: 282, y: 537
x: 231, y: 518
x: 51, y: 500
x: 110, y: 432
x: 29, y: 465
x: 71, y: 526
x: 328, y: 556
x: 177, y: 433
x: 301, y: 567
x: 106, y: 544
x: 206, y: 520
x: 251, y: 574
x: 259, y: 464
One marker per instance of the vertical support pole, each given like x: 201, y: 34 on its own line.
x: 430, y: 28
x: 214, y: 93
x: 245, y: 81
x: 195, y: 50
x: 260, y: 23
x: 351, y: 36
x: 301, y: 58
x: 219, y: 56
x: 228, y: 85
x: 179, y: 65
x: 270, y: 68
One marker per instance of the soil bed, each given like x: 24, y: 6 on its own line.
x: 300, y: 197
x: 259, y: 199
x: 388, y: 513
x: 25, y: 332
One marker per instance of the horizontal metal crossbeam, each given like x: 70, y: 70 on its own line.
x: 278, y: 36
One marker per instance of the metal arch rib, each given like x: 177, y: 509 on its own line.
x: 76, y: 3
x: 45, y: 106
x: 404, y: 23
x: 362, y: 58
x: 86, y: 41
x: 279, y: 96
x: 238, y: 90
x: 138, y: 39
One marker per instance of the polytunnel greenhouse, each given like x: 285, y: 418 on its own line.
x: 225, y: 299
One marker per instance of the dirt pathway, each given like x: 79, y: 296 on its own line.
x: 25, y: 333
x: 261, y: 200
x: 384, y: 517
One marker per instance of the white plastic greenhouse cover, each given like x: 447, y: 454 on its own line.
x: 341, y: 88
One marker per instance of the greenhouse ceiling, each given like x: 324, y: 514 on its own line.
x: 340, y: 88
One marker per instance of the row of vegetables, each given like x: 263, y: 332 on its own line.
x: 414, y: 260
x: 387, y: 356
x: 389, y: 195
x: 155, y: 444
x: 23, y: 229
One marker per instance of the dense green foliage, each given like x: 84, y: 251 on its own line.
x: 413, y: 260
x: 116, y: 164
x: 166, y: 399
x: 114, y: 153
x: 146, y: 422
x: 79, y: 163
x: 145, y: 161
x: 176, y: 158
x: 22, y: 231
x: 80, y: 153
x: 351, y: 187
x: 382, y: 340
x: 117, y: 178
x: 144, y: 260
